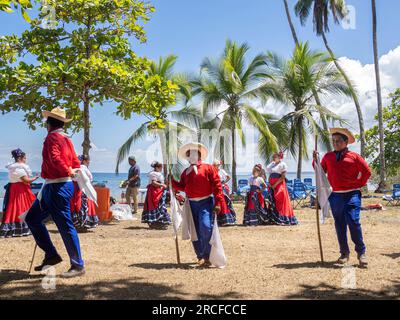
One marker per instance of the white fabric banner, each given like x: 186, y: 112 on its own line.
x: 324, y: 190
x: 217, y: 255
x: 176, y: 212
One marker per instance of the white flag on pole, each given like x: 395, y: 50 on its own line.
x: 176, y: 212
x: 217, y: 255
x: 324, y: 190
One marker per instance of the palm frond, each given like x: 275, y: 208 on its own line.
x: 124, y: 150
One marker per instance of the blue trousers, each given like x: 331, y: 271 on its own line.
x: 203, y: 220
x: 346, y: 212
x: 55, y: 201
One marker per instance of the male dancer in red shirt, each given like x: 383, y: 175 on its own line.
x: 59, y: 166
x: 347, y: 173
x: 202, y: 185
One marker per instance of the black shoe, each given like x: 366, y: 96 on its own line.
x: 48, y: 263
x: 73, y: 272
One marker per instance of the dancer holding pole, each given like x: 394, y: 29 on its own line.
x: 202, y: 185
x: 347, y: 173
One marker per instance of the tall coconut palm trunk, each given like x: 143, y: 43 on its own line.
x: 353, y: 94
x: 300, y: 156
x: 296, y: 41
x: 294, y: 34
x: 382, y: 169
x: 234, y: 174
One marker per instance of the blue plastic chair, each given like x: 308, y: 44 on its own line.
x: 308, y: 182
x: 299, y: 194
x: 243, y: 186
x: 394, y: 198
x: 289, y: 183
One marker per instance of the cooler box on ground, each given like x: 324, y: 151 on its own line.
x: 103, y: 204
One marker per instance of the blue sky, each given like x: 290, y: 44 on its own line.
x: 192, y: 30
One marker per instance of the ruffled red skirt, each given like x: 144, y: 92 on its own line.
x: 76, y: 200
x: 91, y: 208
x: 153, y: 197
x: 20, y: 200
x: 282, y: 199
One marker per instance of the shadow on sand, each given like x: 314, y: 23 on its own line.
x: 162, y: 266
x: 310, y: 265
x: 328, y: 292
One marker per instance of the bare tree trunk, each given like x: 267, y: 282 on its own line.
x: 234, y: 175
x: 315, y: 93
x: 353, y: 94
x: 86, y: 123
x: 382, y: 169
x: 86, y: 100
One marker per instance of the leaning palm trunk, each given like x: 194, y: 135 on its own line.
x: 382, y: 178
x: 296, y: 41
x: 353, y: 94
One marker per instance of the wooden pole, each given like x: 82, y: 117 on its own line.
x: 317, y: 208
x: 33, y: 258
x: 178, y: 256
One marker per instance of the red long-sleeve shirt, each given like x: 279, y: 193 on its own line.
x: 202, y: 184
x: 349, y: 173
x: 59, y: 157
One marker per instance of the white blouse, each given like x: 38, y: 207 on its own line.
x: 156, y: 176
x: 87, y: 171
x: 259, y: 181
x: 18, y: 170
x: 279, y: 168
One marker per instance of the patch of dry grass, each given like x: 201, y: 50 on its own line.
x: 126, y: 260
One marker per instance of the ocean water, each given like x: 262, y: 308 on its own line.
x: 113, y: 181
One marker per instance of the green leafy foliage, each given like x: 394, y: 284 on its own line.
x: 391, y: 124
x: 84, y: 59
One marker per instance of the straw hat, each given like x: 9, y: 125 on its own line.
x: 345, y: 132
x: 193, y: 146
x: 56, y: 113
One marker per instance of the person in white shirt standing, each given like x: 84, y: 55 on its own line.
x: 281, y: 212
x: 155, y: 212
x: 19, y: 197
x: 255, y: 211
x: 85, y: 217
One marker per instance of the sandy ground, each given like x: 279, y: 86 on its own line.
x: 126, y: 260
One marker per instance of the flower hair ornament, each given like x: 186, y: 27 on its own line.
x: 17, y: 153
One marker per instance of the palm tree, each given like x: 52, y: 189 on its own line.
x: 321, y: 11
x: 226, y: 86
x: 382, y: 169
x: 295, y: 79
x: 296, y: 42
x: 171, y: 120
